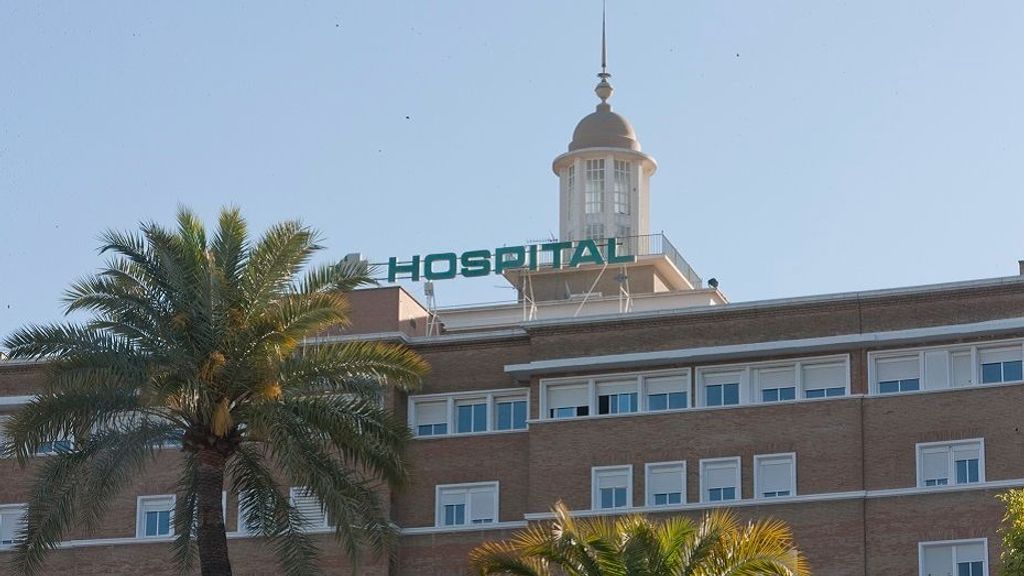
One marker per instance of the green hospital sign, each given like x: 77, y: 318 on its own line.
x: 446, y: 265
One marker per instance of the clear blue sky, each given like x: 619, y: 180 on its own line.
x: 804, y: 147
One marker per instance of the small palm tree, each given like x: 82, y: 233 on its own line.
x: 197, y: 343
x: 638, y: 546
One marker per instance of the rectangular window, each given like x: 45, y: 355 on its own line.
x: 958, y: 558
x: 617, y: 397
x: 665, y: 483
x: 719, y: 479
x: 775, y: 475
x: 666, y: 393
x: 623, y: 231
x: 310, y: 507
x: 611, y: 487
x: 467, y: 504
x: 471, y: 415
x: 511, y: 413
x: 722, y: 389
x: 570, y: 179
x: 1000, y: 365
x: 776, y: 384
x: 12, y: 519
x: 902, y: 374
x: 824, y: 380
x: 431, y: 418
x: 594, y: 231
x: 622, y: 186
x: 155, y: 516
x: 594, y: 186
x: 947, y: 463
x: 568, y: 401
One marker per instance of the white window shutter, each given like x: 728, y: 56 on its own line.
x: 614, y: 479
x: 11, y: 520
x: 564, y: 397
x: 972, y: 552
x: 824, y: 376
x: 665, y: 479
x: 1000, y: 355
x: 898, y: 369
x: 934, y: 464
x: 310, y: 507
x: 938, y: 560
x: 962, y: 372
x: 431, y: 413
x: 721, y: 378
x: 776, y: 378
x: 481, y: 504
x: 666, y: 385
x: 775, y: 475
x: 936, y: 369
x: 720, y: 476
x: 966, y: 452
x: 627, y: 387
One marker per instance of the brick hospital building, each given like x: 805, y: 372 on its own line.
x: 879, y: 425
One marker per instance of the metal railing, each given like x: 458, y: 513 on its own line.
x: 649, y: 245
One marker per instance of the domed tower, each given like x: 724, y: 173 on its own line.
x: 604, y: 177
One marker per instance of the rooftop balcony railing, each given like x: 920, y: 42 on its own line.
x: 647, y: 245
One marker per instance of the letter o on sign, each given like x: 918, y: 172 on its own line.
x: 448, y: 258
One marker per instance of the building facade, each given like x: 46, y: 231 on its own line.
x: 879, y: 425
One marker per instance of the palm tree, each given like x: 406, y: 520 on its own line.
x: 638, y: 546
x: 197, y: 343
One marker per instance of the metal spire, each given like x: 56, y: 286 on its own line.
x: 604, y: 45
x: 604, y: 89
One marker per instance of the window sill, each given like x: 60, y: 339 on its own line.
x: 507, y: 525
x: 472, y: 434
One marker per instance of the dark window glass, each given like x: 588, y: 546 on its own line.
x: 1012, y: 371
x: 731, y: 394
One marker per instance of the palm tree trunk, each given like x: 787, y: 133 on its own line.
x: 211, y: 534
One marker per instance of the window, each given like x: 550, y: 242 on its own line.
x: 721, y: 389
x: 594, y: 231
x: 959, y: 558
x: 719, y: 479
x: 824, y: 380
x: 665, y: 483
x: 309, y: 507
x: 570, y: 179
x: 471, y: 415
x: 611, y: 487
x: 621, y: 187
x: 776, y: 384
x: 666, y: 392
x: 12, y: 518
x: 1000, y: 365
x: 467, y: 504
x: 616, y: 397
x: 594, y: 186
x: 900, y: 374
x: 947, y: 463
x: 623, y: 231
x: 468, y: 412
x: 568, y: 401
x: 775, y: 475
x: 431, y: 418
x: 155, y: 517
x: 511, y: 414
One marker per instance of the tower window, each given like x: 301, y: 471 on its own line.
x: 595, y: 186
x: 595, y: 231
x: 621, y: 187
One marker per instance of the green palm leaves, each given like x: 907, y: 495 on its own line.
x: 197, y: 341
x: 637, y: 546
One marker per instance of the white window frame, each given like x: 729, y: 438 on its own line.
x: 7, y: 509
x: 750, y: 388
x: 596, y: 472
x: 920, y: 447
x: 649, y: 495
x: 591, y: 382
x: 466, y: 488
x: 758, y: 458
x: 951, y: 350
x: 705, y: 462
x: 954, y: 543
x: 491, y: 397
x: 140, y: 515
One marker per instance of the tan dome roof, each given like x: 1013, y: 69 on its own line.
x: 604, y: 129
